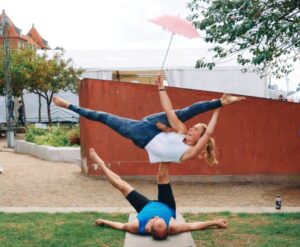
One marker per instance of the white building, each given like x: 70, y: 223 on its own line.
x: 179, y: 69
x: 221, y: 79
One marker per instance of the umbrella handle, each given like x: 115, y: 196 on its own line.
x: 167, y: 52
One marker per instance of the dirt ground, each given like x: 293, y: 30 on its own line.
x: 29, y: 181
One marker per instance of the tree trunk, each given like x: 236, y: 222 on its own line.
x: 40, y: 108
x: 24, y: 109
x: 49, y: 112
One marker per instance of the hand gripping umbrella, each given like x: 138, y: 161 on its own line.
x: 176, y: 25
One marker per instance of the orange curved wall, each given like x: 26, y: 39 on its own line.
x: 256, y: 136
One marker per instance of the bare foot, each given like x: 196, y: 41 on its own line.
x: 60, y: 102
x: 95, y: 166
x: 227, y: 99
x: 94, y: 156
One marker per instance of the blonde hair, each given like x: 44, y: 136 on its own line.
x: 209, y: 152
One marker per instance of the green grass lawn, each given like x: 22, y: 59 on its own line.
x: 77, y: 229
x: 250, y: 230
x: 61, y: 229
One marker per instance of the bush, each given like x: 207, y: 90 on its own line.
x: 53, y: 136
x: 74, y: 136
x: 33, y: 132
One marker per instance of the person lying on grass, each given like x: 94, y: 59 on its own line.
x: 155, y: 217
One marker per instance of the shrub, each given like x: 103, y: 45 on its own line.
x: 33, y: 132
x: 53, y: 136
x: 74, y: 136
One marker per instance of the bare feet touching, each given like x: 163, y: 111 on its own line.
x: 95, y: 157
x: 60, y: 102
x: 227, y: 99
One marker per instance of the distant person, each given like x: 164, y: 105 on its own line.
x: 11, y: 108
x: 21, y: 113
x: 155, y: 217
x: 280, y: 97
x: 180, y: 145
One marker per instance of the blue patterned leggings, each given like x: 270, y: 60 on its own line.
x: 141, y: 132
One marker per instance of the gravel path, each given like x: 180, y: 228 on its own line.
x: 31, y: 182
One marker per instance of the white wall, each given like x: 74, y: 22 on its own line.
x: 2, y: 110
x: 32, y: 107
x: 97, y: 74
x: 220, y: 79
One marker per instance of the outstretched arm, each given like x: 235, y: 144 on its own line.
x: 194, y: 151
x: 167, y: 106
x: 129, y: 227
x: 177, y: 227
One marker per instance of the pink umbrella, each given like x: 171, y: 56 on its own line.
x: 176, y: 25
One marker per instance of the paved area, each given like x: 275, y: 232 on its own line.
x: 27, y: 181
x: 131, y: 210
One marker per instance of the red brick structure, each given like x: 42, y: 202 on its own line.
x: 17, y: 40
x: 37, y: 38
x: 254, y: 137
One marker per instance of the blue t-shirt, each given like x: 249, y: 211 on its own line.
x: 151, y: 210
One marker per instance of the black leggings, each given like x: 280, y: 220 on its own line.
x: 165, y: 195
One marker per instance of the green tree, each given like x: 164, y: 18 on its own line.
x: 1, y: 79
x: 263, y: 33
x: 20, y: 68
x: 20, y: 71
x: 2, y: 75
x: 41, y: 75
x: 50, y: 75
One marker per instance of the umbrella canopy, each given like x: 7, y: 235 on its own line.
x: 176, y: 25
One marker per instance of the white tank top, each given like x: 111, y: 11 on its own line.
x: 166, y: 147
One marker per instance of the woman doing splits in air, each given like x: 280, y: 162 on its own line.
x: 181, y: 144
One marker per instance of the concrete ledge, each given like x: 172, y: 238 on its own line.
x: 125, y: 210
x: 109, y: 210
x: 56, y: 154
x: 178, y: 240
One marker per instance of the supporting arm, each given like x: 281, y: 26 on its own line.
x: 167, y: 106
x: 176, y: 227
x: 129, y: 227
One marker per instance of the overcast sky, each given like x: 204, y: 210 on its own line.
x: 104, y: 24
x: 98, y: 24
